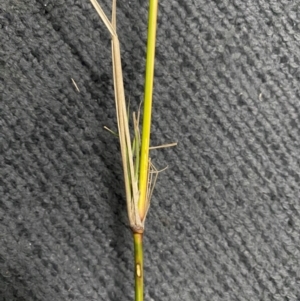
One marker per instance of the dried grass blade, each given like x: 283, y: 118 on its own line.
x: 104, y: 18
x: 131, y: 182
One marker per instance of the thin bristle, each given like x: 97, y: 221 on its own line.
x: 163, y: 146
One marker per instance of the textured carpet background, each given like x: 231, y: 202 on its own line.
x: 225, y: 217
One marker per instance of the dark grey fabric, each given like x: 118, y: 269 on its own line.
x: 225, y: 216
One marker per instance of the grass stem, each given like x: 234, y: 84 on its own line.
x: 146, y: 128
x: 138, y: 266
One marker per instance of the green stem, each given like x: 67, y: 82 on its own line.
x: 145, y: 143
x: 150, y: 59
x: 138, y: 266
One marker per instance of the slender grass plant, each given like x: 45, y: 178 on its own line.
x: 139, y: 173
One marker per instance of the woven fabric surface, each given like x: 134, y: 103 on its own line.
x: 224, y: 222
